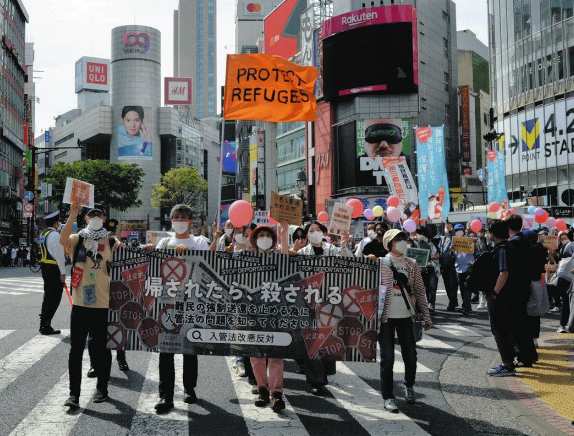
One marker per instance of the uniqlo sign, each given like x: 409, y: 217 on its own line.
x: 97, y: 73
x: 177, y: 90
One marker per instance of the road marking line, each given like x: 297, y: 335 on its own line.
x: 399, y: 366
x: 4, y: 333
x: 366, y: 405
x: 13, y: 293
x: 49, y: 416
x: 20, y: 360
x: 432, y: 343
x: 146, y: 421
x: 458, y: 330
x: 262, y: 421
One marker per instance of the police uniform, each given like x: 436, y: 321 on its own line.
x: 53, y: 263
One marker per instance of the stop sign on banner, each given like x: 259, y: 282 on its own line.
x: 349, y: 303
x: 173, y: 268
x: 314, y: 338
x: 166, y: 318
x: 316, y: 282
x: 328, y: 314
x: 135, y: 278
x: 149, y: 331
x: 332, y: 349
x: 368, y: 345
x: 119, y: 295
x: 116, y: 336
x: 367, y: 301
x: 131, y: 315
x: 349, y: 329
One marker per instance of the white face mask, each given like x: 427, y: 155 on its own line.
x: 401, y: 247
x: 264, y: 243
x: 371, y: 234
x: 459, y: 233
x: 315, y: 237
x: 180, y: 227
x: 95, y: 223
x: 239, y: 238
x: 228, y: 232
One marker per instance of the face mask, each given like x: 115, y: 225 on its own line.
x: 179, y: 227
x: 423, y: 238
x: 315, y: 237
x: 481, y: 235
x: 371, y: 234
x: 459, y: 233
x: 228, y: 232
x: 401, y: 247
x: 239, y: 239
x: 95, y: 223
x: 264, y: 243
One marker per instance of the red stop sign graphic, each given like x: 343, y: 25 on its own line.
x: 368, y: 345
x: 119, y: 295
x: 349, y: 303
x: 131, y: 315
x: 349, y: 329
x: 149, y: 331
x: 332, y: 349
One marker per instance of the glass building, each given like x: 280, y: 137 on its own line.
x: 532, y: 76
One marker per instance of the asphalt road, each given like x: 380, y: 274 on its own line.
x: 454, y: 394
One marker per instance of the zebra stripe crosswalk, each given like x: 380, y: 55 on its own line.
x: 15, y: 286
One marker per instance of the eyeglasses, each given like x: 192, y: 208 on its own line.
x: 383, y: 132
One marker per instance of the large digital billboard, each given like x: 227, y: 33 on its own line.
x: 135, y: 133
x: 283, y: 27
x: 386, y: 61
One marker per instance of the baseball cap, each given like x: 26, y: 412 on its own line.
x: 459, y: 227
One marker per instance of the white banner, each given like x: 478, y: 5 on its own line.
x: 400, y: 180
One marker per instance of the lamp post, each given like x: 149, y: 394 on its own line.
x: 302, y: 184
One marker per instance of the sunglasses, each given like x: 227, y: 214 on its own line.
x: 383, y: 132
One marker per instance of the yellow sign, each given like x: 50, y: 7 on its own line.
x: 285, y: 208
x: 462, y: 245
x: 456, y: 196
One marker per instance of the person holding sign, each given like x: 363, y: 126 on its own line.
x: 461, y: 263
x: 222, y: 240
x: 404, y: 290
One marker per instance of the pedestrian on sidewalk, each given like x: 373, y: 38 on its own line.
x: 404, y: 289
x: 447, y: 266
x: 564, y: 282
x: 13, y: 255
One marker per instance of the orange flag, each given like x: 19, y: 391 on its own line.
x: 269, y: 88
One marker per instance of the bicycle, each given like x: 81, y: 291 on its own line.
x: 35, y: 264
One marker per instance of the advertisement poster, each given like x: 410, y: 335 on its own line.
x: 215, y: 303
x: 433, y: 182
x: 253, y: 168
x: 229, y: 157
x: 496, y: 187
x: 340, y: 219
x: 286, y: 208
x: 77, y: 191
x: 135, y: 133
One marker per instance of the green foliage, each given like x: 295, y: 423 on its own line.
x: 180, y: 185
x: 116, y: 185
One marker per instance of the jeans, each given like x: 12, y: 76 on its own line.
x: 430, y: 280
x: 167, y: 374
x: 465, y: 291
x: 53, y: 288
x: 82, y: 321
x: 386, y: 337
x: 499, y: 326
x: 272, y: 382
x: 451, y: 285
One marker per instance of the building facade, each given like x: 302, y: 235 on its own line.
x: 532, y: 81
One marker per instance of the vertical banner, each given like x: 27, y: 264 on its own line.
x: 400, y: 181
x: 465, y: 123
x: 252, y: 169
x: 495, y: 167
x: 433, y: 181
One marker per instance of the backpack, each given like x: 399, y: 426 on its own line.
x: 482, y: 273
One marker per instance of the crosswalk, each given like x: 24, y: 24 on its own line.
x: 16, y: 286
x: 349, y: 394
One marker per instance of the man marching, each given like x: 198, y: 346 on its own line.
x: 53, y: 272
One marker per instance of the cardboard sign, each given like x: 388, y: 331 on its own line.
x: 420, y: 255
x: 462, y: 245
x: 285, y: 208
x: 79, y: 192
x: 340, y: 219
x: 550, y: 242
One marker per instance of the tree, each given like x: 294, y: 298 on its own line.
x: 180, y: 185
x: 116, y: 185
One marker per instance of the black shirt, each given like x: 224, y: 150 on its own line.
x: 375, y: 247
x: 318, y: 251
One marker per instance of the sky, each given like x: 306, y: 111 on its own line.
x: 65, y: 30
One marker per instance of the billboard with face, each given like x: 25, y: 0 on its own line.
x: 135, y: 133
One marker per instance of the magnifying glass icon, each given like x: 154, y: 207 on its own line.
x: 196, y: 334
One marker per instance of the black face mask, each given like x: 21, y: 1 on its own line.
x: 389, y: 133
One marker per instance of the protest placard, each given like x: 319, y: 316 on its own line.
x: 285, y: 208
x: 420, y: 255
x: 77, y: 191
x: 340, y: 219
x: 462, y: 244
x: 550, y: 242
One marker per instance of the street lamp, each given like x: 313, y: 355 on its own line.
x: 302, y: 184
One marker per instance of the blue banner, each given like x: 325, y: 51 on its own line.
x: 496, y: 188
x: 433, y: 182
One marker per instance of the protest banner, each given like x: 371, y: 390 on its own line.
x: 400, y: 181
x: 286, y: 208
x: 216, y: 303
x: 340, y: 219
x: 550, y: 242
x: 420, y: 255
x: 154, y: 236
x: 496, y: 181
x: 269, y: 88
x: 77, y: 191
x: 462, y: 245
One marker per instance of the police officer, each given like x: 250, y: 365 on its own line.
x: 53, y: 264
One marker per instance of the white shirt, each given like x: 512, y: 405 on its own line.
x: 56, y: 250
x: 14, y: 253
x: 398, y: 308
x: 193, y: 243
x: 361, y: 246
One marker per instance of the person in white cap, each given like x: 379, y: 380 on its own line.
x: 53, y: 264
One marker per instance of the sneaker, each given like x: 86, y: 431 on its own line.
x: 555, y: 310
x: 123, y: 365
x: 561, y: 329
x: 467, y: 312
x: 519, y: 364
x: 254, y: 390
x: 410, y: 395
x: 481, y: 306
x: 391, y: 406
x: 164, y: 405
x: 100, y: 397
x: 501, y: 371
x: 451, y: 308
x: 240, y: 369
x: 277, y: 403
x: 190, y: 397
x: 72, y: 402
x: 263, y: 399
x: 92, y: 372
x: 318, y: 390
x: 431, y: 307
x: 49, y: 331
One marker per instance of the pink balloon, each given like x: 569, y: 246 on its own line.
x: 393, y: 201
x: 538, y: 211
x: 551, y: 222
x: 357, y: 206
x: 240, y: 213
x: 393, y: 214
x: 323, y: 217
x: 561, y: 224
x: 368, y: 214
x: 410, y: 226
x: 476, y: 226
x: 494, y: 207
